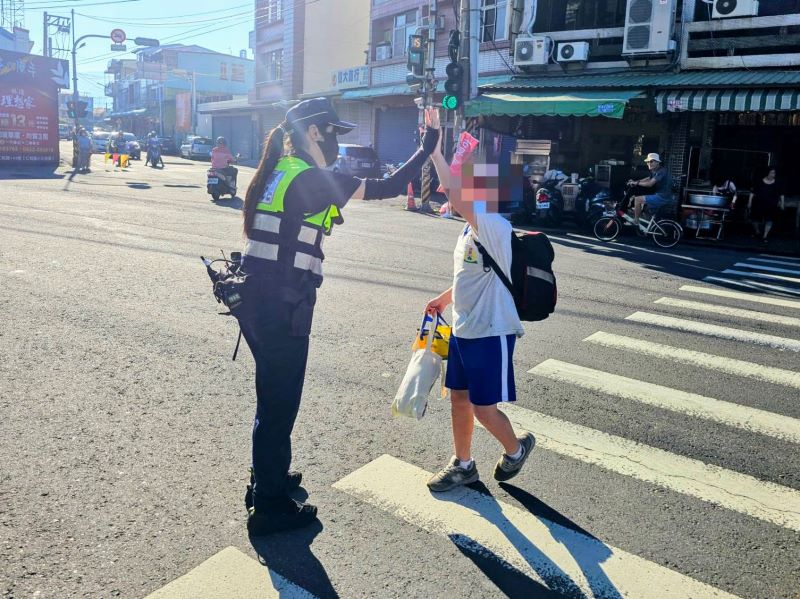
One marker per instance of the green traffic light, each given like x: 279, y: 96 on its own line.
x: 450, y: 102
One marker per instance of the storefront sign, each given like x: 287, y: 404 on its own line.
x: 606, y: 108
x: 675, y: 105
x: 350, y: 78
x: 183, y: 111
x: 29, y: 108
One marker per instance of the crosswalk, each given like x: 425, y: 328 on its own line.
x: 569, y: 561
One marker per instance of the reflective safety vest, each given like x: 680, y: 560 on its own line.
x: 274, y: 239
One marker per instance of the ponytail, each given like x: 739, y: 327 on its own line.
x: 273, y: 151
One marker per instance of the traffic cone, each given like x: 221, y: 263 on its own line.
x: 410, y: 203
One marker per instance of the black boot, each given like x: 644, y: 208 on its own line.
x: 293, y: 480
x: 279, y: 515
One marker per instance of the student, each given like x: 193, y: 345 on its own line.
x: 480, y: 373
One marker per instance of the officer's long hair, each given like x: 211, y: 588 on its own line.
x: 276, y: 146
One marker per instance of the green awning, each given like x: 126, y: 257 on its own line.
x: 610, y: 104
x: 727, y: 100
x: 402, y: 89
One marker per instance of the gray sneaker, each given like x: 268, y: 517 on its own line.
x: 506, y: 468
x: 452, y: 476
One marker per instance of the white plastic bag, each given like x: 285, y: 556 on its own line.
x: 423, y: 370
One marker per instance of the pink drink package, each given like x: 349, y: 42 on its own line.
x: 466, y: 147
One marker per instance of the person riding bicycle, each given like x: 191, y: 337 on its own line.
x: 660, y: 181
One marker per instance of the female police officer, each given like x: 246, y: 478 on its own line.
x: 291, y: 205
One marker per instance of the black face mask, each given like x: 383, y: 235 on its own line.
x: 329, y: 146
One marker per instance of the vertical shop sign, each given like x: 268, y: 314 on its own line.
x: 183, y: 111
x: 29, y: 107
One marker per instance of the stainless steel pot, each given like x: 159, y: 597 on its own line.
x: 713, y: 201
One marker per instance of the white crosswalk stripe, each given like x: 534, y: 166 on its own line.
x: 760, y: 372
x: 753, y: 285
x: 750, y: 297
x: 771, y: 261
x: 788, y: 321
x: 556, y: 556
x: 754, y: 266
x: 230, y: 574
x: 761, y: 275
x: 781, y: 257
x: 712, y: 330
x: 691, y: 404
x: 726, y: 488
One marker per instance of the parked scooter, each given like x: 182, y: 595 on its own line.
x: 218, y: 183
x: 548, y: 205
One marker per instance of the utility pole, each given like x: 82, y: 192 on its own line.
x: 427, y: 100
x: 464, y: 19
x: 75, y: 97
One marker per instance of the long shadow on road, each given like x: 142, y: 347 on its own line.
x: 290, y: 556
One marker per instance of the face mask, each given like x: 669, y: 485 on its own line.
x: 329, y: 146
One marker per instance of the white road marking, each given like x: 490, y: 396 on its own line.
x: 728, y: 311
x: 760, y: 275
x: 782, y: 257
x: 556, y: 556
x: 768, y: 374
x: 769, y: 261
x: 620, y: 246
x: 713, y: 330
x: 768, y: 268
x: 725, y: 488
x: 754, y: 285
x: 230, y: 574
x: 750, y: 297
x: 691, y: 404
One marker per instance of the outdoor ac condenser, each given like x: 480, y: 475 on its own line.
x: 725, y: 9
x: 648, y: 27
x: 531, y: 51
x: 572, y: 52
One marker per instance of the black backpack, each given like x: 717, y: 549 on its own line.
x: 532, y: 284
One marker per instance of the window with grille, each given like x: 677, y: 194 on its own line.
x: 271, y: 11
x: 237, y: 72
x: 223, y: 70
x: 404, y: 25
x: 493, y: 20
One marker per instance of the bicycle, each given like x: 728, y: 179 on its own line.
x: 665, y: 233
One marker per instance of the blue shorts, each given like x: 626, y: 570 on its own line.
x: 484, y: 367
x: 654, y: 202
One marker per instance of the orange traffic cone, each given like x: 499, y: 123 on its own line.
x: 410, y: 203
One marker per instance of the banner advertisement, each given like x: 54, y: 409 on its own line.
x: 183, y: 112
x: 29, y: 107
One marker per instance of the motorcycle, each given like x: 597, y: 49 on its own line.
x: 154, y: 155
x: 547, y: 207
x: 218, y: 183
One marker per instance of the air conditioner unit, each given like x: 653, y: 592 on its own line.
x: 383, y: 52
x: 725, y: 9
x: 648, y: 27
x: 572, y: 52
x: 530, y: 51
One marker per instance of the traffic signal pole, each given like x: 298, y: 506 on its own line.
x: 429, y: 89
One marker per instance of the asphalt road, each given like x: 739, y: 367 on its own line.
x: 125, y: 425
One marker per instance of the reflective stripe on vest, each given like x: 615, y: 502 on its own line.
x: 265, y: 242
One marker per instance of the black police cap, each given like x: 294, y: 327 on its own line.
x: 317, y: 111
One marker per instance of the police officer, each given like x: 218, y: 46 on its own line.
x: 292, y: 204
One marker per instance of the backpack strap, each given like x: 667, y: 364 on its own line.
x: 487, y: 259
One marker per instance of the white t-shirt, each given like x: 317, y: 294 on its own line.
x: 482, y: 305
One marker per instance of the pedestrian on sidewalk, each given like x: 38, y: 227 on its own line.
x: 85, y: 149
x: 480, y: 370
x: 764, y: 203
x: 292, y: 204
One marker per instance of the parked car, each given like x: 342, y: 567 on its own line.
x: 100, y: 139
x: 196, y: 147
x: 168, y: 145
x: 359, y: 161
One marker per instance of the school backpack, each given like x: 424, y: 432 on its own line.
x: 532, y: 284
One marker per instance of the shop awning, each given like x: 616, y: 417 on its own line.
x: 402, y: 89
x: 610, y: 104
x: 135, y: 112
x: 725, y: 100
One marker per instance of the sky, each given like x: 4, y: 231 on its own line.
x: 200, y: 22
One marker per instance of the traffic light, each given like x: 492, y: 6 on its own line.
x: 416, y: 61
x: 454, y: 86
x: 77, y: 110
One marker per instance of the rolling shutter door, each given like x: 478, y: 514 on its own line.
x: 396, y: 134
x: 238, y: 130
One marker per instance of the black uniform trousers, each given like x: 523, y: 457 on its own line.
x: 278, y: 335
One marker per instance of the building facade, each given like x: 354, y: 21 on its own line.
x: 161, y: 88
